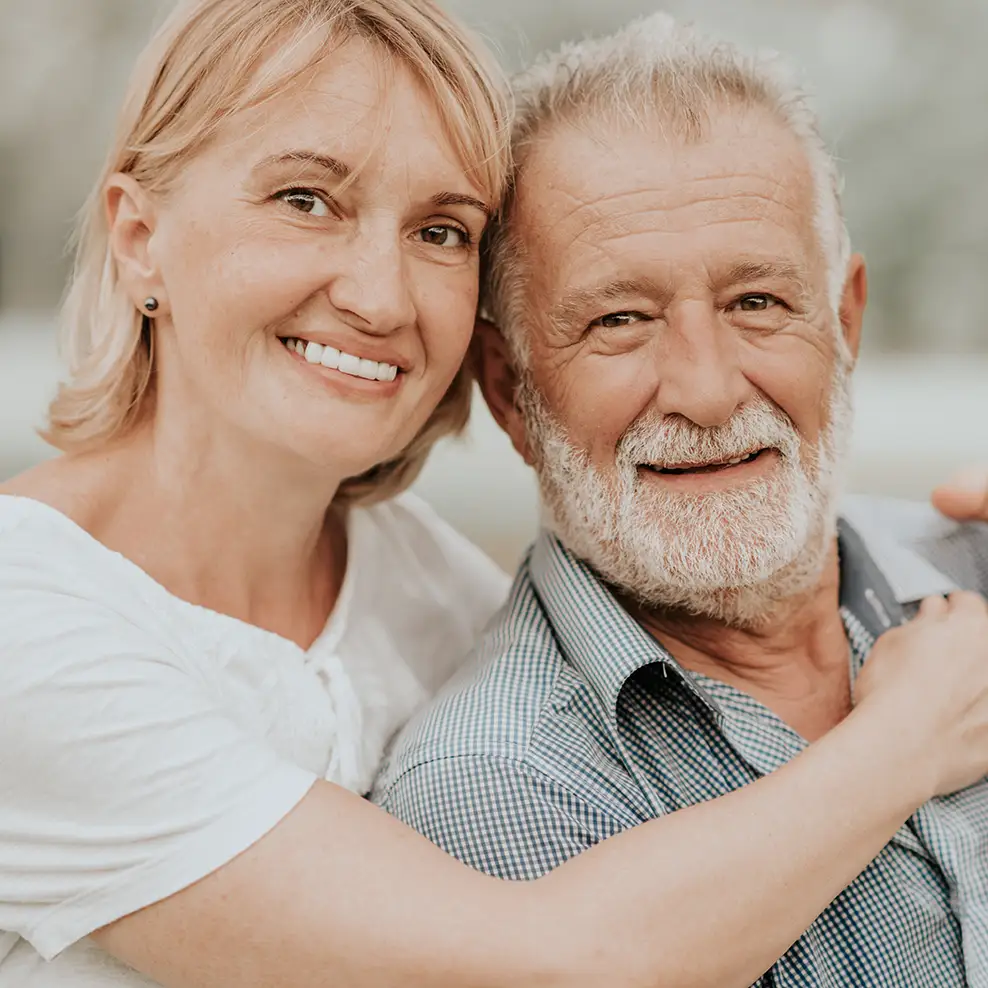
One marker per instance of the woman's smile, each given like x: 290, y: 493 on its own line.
x: 345, y: 369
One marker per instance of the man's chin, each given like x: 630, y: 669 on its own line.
x: 742, y: 588
x: 732, y: 568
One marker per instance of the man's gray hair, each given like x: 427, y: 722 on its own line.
x: 653, y: 67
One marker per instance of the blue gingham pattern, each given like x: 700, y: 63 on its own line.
x: 574, y: 725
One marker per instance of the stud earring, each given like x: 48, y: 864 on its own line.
x: 151, y: 304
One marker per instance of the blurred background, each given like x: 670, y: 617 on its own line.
x: 901, y: 86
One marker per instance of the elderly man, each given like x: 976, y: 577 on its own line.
x: 679, y: 315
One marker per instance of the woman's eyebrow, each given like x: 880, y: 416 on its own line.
x: 461, y: 199
x: 342, y: 171
x: 322, y: 161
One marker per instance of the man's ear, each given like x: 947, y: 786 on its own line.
x: 853, y: 302
x: 130, y: 217
x: 499, y: 383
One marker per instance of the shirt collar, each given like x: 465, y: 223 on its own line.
x: 908, y: 576
x: 878, y: 577
x: 596, y: 634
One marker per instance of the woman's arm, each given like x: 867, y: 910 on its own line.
x: 340, y: 894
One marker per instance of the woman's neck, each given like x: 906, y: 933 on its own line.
x: 245, y: 531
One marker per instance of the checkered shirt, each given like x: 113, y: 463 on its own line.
x: 574, y: 724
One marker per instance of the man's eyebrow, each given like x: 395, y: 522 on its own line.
x: 323, y: 161
x: 460, y: 199
x: 575, y: 303
x: 757, y: 270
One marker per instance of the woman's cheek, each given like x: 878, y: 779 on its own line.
x: 447, y: 322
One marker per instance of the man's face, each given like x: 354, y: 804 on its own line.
x: 680, y: 322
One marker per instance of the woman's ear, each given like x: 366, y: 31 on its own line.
x: 499, y: 383
x: 130, y: 217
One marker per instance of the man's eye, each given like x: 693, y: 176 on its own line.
x: 617, y: 320
x: 757, y: 302
x: 441, y: 235
x: 306, y: 201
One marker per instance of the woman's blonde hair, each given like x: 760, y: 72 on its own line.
x: 214, y: 58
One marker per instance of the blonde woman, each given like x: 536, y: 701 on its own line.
x: 213, y: 610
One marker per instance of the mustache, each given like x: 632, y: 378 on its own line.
x: 671, y: 441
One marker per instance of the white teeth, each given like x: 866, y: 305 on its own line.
x: 733, y: 463
x: 346, y: 363
x: 368, y: 370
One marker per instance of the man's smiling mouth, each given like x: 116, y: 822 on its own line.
x: 709, y: 467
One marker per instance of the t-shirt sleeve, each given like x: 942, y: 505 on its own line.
x: 122, y: 781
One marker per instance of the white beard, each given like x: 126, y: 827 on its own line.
x: 727, y: 555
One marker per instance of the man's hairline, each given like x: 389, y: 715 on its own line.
x: 826, y: 208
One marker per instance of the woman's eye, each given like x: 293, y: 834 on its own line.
x: 757, y: 302
x: 444, y: 236
x: 305, y: 201
x: 617, y: 320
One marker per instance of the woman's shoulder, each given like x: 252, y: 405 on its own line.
x: 417, y: 590
x: 36, y: 538
x: 33, y: 530
x: 54, y: 575
x: 422, y: 553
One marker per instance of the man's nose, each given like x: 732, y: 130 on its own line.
x: 371, y: 288
x: 700, y: 376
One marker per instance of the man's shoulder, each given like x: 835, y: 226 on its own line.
x: 493, y: 707
x: 508, y: 769
x: 894, y: 529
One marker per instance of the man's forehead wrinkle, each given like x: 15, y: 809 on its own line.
x: 612, y: 237
x: 627, y: 204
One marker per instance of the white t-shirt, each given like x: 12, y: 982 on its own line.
x: 145, y: 741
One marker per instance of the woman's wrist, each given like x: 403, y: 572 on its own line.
x: 894, y: 768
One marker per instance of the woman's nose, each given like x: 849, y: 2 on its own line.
x: 372, y: 287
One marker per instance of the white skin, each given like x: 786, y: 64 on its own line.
x: 238, y: 465
x: 686, y: 301
x: 252, y: 246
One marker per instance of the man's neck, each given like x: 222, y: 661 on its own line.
x: 795, y: 662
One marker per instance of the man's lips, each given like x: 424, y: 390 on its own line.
x: 715, y: 466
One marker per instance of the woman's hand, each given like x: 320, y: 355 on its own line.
x: 965, y: 496
x: 928, y: 682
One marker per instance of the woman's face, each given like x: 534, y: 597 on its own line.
x: 322, y: 322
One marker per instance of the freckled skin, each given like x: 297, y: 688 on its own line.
x: 605, y: 205
x: 240, y: 268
